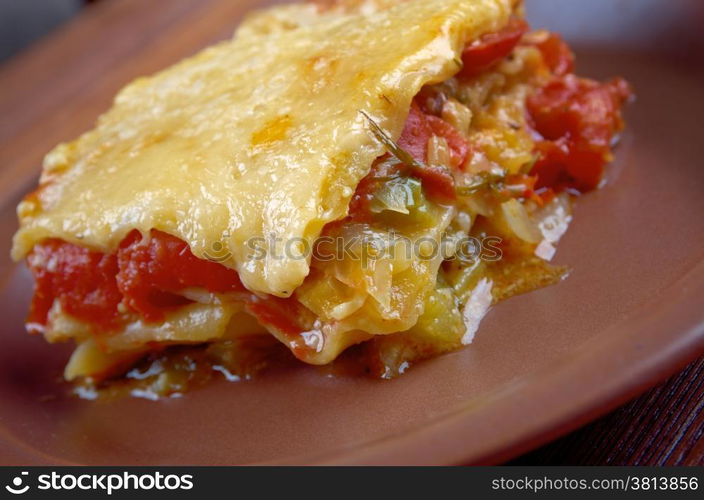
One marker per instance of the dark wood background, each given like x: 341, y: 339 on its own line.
x: 665, y: 426
x: 78, y: 65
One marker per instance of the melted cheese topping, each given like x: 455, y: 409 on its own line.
x: 259, y: 137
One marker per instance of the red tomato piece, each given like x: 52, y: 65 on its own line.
x: 144, y: 273
x: 438, y: 182
x: 421, y: 126
x: 484, y: 53
x: 154, y: 269
x: 578, y: 119
x: 82, y: 280
x: 557, y: 54
x: 416, y: 134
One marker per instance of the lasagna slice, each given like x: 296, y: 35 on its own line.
x: 355, y: 182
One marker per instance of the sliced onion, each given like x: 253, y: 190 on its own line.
x: 346, y: 309
x: 379, y: 282
x: 438, y: 151
x: 479, y: 204
x: 520, y: 222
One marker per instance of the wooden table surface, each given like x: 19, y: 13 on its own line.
x: 665, y: 426
x: 54, y: 90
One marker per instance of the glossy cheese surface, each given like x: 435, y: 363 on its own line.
x: 257, y: 142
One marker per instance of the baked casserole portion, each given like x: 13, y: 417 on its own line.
x: 349, y: 183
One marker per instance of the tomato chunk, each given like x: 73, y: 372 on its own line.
x: 154, y: 269
x: 556, y: 53
x: 421, y: 126
x: 82, y: 280
x: 484, y: 53
x: 577, y: 119
x: 437, y: 180
x: 145, y: 274
x: 416, y: 133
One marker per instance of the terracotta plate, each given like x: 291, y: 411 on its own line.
x: 631, y: 312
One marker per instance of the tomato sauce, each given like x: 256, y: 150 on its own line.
x: 145, y: 274
x: 83, y: 281
x: 154, y: 269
